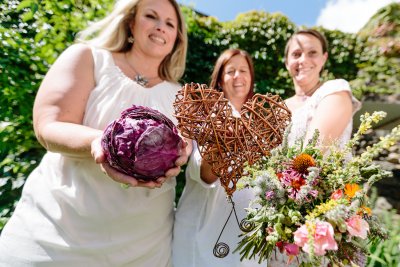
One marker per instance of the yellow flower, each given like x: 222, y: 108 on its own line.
x: 351, y: 189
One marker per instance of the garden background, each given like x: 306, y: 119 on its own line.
x: 33, y: 33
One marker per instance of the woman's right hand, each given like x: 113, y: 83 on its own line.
x: 100, y: 158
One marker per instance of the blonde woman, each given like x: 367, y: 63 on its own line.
x: 73, y: 210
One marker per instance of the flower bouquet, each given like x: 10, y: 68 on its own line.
x: 312, y: 204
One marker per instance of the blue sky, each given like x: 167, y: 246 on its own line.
x: 344, y: 15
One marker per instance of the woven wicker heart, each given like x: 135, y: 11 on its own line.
x: 228, y: 141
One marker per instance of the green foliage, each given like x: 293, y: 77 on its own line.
x: 264, y: 36
x: 343, y: 53
x: 380, y: 60
x: 32, y: 33
x: 377, y: 77
x: 387, y: 252
x: 202, y: 52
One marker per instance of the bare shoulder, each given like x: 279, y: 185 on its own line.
x: 70, y: 77
x: 77, y: 52
x: 336, y: 103
x: 339, y: 96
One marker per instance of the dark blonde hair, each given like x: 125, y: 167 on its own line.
x: 216, y: 76
x: 315, y: 33
x: 113, y: 31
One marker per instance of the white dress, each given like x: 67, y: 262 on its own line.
x: 201, y: 214
x: 301, y: 120
x: 71, y: 214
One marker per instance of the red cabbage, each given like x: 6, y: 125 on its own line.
x: 142, y: 143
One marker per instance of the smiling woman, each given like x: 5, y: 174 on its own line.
x: 315, y: 103
x: 327, y: 106
x: 203, y: 207
x: 73, y: 210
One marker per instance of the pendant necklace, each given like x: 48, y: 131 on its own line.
x: 303, y: 97
x: 139, y: 79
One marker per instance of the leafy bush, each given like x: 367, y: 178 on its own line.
x: 387, y: 252
x: 264, y: 36
x: 33, y: 33
x: 202, y: 51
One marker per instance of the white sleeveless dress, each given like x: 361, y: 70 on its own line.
x: 301, y: 120
x: 71, y: 214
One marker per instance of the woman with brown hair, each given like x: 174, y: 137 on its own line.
x: 203, y: 207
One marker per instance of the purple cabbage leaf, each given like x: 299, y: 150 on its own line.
x: 142, y: 143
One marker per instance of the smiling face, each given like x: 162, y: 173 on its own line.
x: 155, y: 27
x: 236, y: 79
x: 305, y: 59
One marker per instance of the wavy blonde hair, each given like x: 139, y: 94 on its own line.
x: 112, y: 33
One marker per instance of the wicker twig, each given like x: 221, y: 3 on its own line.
x: 227, y: 141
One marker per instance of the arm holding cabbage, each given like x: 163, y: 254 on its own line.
x: 61, y: 101
x: 59, y: 110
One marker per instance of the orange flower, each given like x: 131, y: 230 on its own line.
x: 351, y: 189
x: 364, y: 210
x: 302, y: 162
x: 297, y: 183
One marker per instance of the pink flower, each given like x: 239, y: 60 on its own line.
x: 291, y: 249
x: 338, y: 194
x: 323, y: 238
x: 357, y: 226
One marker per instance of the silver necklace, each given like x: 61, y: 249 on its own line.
x: 139, y: 79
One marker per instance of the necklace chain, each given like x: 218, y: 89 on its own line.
x: 309, y: 92
x: 139, y: 79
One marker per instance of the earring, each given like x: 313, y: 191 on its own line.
x: 131, y: 39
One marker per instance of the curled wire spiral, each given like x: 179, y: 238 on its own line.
x: 246, y: 226
x: 221, y: 250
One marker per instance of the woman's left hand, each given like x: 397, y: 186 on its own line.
x: 184, y: 152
